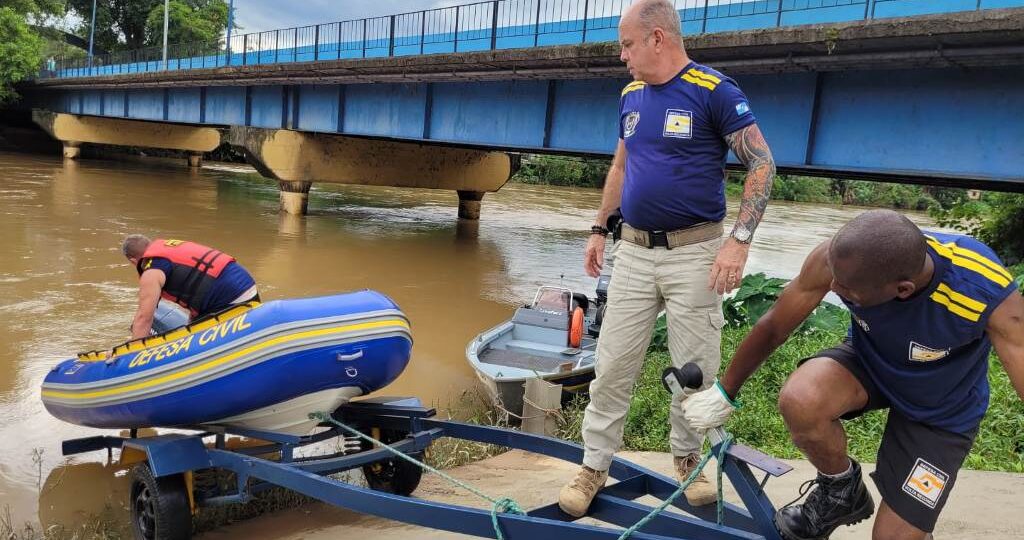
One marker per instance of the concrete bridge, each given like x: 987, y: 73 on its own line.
x: 923, y: 98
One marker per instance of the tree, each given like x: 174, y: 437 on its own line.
x: 20, y: 46
x: 120, y: 24
x: 134, y: 24
x: 190, y: 21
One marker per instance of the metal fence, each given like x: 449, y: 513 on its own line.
x: 493, y: 24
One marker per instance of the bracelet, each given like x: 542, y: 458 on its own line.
x: 597, y: 229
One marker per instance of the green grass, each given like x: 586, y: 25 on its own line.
x: 759, y: 424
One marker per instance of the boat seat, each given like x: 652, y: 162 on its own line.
x: 533, y: 347
x: 532, y: 317
x: 544, y: 364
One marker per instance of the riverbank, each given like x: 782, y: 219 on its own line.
x: 570, y: 171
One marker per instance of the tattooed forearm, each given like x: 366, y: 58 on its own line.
x: 750, y: 147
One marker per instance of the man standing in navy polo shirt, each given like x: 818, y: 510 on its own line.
x: 677, y: 121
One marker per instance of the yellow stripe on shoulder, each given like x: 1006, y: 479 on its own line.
x: 706, y: 76
x: 635, y: 85
x: 962, y: 299
x: 975, y: 256
x: 699, y: 82
x: 954, y: 307
x: 965, y: 258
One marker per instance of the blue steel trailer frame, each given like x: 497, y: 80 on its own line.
x: 176, y: 453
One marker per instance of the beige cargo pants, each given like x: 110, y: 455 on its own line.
x: 645, y: 281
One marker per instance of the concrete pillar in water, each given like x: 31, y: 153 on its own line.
x: 469, y: 204
x: 298, y: 157
x: 295, y: 197
x: 195, y: 160
x: 72, y: 149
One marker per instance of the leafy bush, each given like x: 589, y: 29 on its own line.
x: 562, y: 171
x: 802, y: 189
x: 996, y: 219
x: 757, y: 293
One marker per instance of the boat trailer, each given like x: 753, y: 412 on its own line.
x: 167, y: 486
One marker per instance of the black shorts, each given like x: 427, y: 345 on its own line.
x: 917, y: 464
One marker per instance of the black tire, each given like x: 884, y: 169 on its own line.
x: 393, y: 475
x: 159, y: 506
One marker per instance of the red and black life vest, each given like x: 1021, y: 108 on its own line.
x: 194, y: 269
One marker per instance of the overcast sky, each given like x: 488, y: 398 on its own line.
x: 259, y: 15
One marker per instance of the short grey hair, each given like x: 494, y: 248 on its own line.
x: 134, y: 245
x: 660, y: 14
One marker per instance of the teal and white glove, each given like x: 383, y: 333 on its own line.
x: 709, y: 408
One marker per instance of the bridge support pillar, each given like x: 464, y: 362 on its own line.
x: 296, y: 159
x: 469, y: 204
x: 195, y: 160
x: 295, y: 197
x: 72, y: 149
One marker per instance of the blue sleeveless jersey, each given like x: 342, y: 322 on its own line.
x: 929, y: 354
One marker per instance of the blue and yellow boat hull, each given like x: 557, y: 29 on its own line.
x: 255, y: 365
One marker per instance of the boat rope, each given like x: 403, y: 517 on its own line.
x: 682, y: 487
x: 502, y: 505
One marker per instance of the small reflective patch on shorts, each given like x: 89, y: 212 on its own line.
x: 925, y: 483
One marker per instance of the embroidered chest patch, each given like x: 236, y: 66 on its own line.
x: 921, y: 353
x: 678, y: 123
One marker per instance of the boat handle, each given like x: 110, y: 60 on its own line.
x: 347, y: 357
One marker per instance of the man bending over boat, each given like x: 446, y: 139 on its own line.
x: 201, y: 279
x: 926, y: 310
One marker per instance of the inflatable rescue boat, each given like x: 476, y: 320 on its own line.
x: 256, y: 366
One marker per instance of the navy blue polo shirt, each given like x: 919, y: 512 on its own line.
x: 929, y: 354
x: 675, y: 147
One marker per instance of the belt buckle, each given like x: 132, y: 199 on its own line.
x: 650, y: 238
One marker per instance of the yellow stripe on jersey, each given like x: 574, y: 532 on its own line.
x: 974, y: 256
x: 635, y: 85
x: 962, y: 299
x: 971, y: 260
x: 954, y: 307
x: 706, y: 76
x: 699, y: 82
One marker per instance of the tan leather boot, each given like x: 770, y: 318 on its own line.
x: 700, y: 492
x: 575, y: 497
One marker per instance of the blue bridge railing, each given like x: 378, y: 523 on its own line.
x: 488, y: 25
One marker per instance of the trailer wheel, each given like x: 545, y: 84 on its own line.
x: 393, y: 475
x: 159, y: 506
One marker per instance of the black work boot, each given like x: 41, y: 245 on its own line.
x: 834, y: 502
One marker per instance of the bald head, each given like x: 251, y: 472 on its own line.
x: 878, y: 247
x: 649, y: 15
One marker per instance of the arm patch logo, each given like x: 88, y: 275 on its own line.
x: 629, y: 124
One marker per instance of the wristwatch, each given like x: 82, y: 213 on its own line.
x: 742, y: 234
